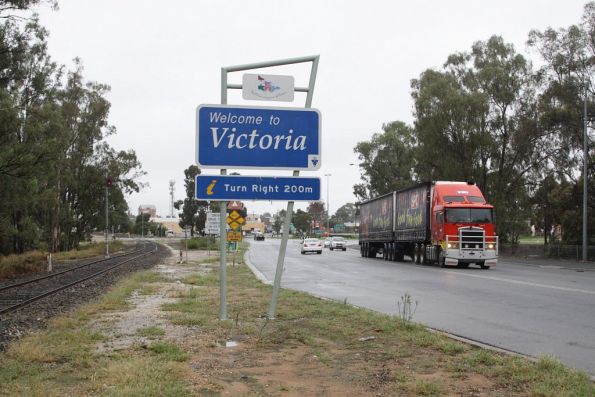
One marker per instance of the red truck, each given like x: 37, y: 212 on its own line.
x: 447, y: 223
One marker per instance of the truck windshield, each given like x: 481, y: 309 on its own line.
x: 468, y: 215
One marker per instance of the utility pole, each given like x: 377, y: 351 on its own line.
x: 328, y: 207
x: 108, y: 184
x: 585, y: 177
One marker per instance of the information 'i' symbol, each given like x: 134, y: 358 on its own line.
x: 210, y: 187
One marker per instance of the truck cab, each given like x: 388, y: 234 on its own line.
x: 462, y: 225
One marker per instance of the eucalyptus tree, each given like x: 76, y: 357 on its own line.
x: 302, y: 221
x: 54, y: 160
x: 317, y: 211
x: 566, y: 80
x: 386, y: 161
x: 194, y: 211
x: 345, y: 213
x: 477, y: 120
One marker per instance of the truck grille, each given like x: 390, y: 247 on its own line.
x: 471, y: 238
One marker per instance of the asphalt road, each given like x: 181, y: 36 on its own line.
x: 532, y: 307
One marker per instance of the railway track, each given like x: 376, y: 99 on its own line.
x: 20, y: 294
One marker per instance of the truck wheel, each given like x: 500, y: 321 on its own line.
x: 441, y: 258
x: 417, y: 254
x: 483, y: 265
x: 385, y: 251
x: 361, y: 250
x: 424, y: 259
x: 391, y: 252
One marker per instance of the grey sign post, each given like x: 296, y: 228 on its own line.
x: 281, y: 258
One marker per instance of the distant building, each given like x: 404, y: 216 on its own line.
x: 253, y: 224
x: 148, y: 209
x: 171, y: 224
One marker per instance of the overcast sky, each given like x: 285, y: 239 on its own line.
x: 163, y: 59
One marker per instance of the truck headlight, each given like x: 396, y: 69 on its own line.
x: 452, y: 245
x: 490, y: 246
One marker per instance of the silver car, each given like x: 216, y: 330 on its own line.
x: 311, y: 245
x: 338, y: 243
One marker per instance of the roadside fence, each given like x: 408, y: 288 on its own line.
x: 559, y: 251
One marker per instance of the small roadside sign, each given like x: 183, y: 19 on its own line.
x: 232, y: 235
x: 235, y: 220
x: 212, y: 223
x: 232, y: 246
x: 267, y: 87
x: 234, y: 205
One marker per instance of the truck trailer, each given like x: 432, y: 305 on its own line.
x: 444, y: 223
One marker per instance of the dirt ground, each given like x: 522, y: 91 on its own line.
x: 232, y: 366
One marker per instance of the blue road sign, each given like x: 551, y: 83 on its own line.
x: 235, y: 187
x: 257, y: 137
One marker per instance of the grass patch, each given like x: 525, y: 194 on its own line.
x: 63, y: 360
x: 151, y: 332
x: 321, y: 343
x: 36, y: 261
x: 89, y: 250
x: 426, y: 388
x: 116, y: 298
x: 202, y: 243
x: 402, y: 358
x: 14, y: 265
x: 168, y: 351
x: 531, y: 240
x: 141, y: 377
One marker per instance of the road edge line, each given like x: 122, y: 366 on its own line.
x: 257, y: 273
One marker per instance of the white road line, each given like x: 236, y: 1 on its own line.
x: 506, y: 280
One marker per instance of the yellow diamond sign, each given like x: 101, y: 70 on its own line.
x: 234, y: 219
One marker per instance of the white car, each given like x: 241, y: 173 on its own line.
x: 338, y: 243
x: 311, y: 245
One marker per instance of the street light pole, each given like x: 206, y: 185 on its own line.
x: 328, y: 209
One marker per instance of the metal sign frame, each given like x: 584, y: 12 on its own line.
x: 223, y: 205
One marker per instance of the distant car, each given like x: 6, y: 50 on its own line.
x: 258, y: 236
x: 327, y: 242
x: 311, y: 245
x: 338, y: 243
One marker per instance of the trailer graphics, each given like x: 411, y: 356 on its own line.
x: 447, y: 223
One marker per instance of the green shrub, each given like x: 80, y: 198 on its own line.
x: 202, y: 243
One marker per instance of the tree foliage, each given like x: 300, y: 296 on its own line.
x: 386, y: 161
x: 302, y: 221
x: 487, y: 116
x: 317, y: 211
x: 194, y: 212
x: 345, y: 213
x: 54, y: 161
